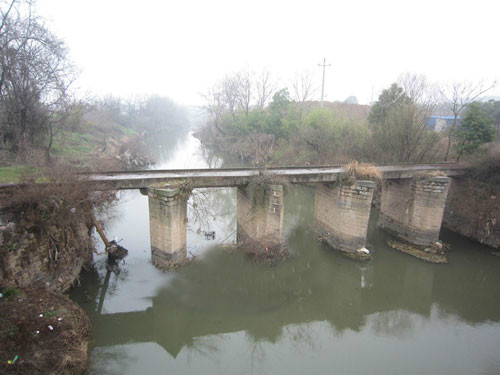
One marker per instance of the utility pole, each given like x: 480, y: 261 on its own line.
x: 324, y: 65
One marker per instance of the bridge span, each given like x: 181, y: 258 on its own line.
x: 200, y: 178
x: 412, y: 204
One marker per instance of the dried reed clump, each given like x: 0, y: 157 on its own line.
x: 262, y: 251
x: 360, y: 171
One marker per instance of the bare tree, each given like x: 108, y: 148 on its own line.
x: 230, y: 88
x: 237, y: 89
x: 416, y: 87
x: 216, y: 105
x: 302, y: 89
x: 265, y: 86
x: 263, y: 148
x: 302, y: 86
x: 245, y: 86
x: 35, y: 78
x: 459, y: 95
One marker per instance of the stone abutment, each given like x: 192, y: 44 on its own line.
x: 412, y: 209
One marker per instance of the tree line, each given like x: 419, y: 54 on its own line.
x: 285, y: 126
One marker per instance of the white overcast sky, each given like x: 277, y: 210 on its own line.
x: 180, y: 48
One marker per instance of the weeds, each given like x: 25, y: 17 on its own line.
x: 362, y: 171
x: 10, y: 291
x: 260, y: 187
x: 353, y: 171
x: 40, y: 349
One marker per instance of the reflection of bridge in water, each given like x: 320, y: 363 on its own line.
x: 412, y: 205
x: 216, y: 296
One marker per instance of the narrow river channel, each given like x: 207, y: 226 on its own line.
x: 317, y: 312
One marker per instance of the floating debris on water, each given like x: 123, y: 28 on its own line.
x: 364, y: 250
x: 428, y: 254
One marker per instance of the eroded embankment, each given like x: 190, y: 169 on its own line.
x: 51, y: 258
x: 45, y: 240
x: 473, y: 204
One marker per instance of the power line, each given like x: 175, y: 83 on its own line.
x: 324, y: 65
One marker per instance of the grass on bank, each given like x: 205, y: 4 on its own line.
x: 15, y: 173
x: 74, y: 147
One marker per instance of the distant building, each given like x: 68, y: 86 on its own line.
x: 440, y: 123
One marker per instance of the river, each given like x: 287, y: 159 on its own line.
x: 317, y: 312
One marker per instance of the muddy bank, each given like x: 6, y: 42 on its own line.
x: 41, y: 332
x: 45, y: 240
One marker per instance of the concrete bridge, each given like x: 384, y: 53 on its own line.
x: 412, y: 205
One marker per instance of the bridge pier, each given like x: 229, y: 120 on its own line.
x: 412, y: 209
x: 260, y: 214
x: 167, y: 225
x: 341, y: 214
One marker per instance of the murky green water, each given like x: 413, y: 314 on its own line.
x: 317, y: 312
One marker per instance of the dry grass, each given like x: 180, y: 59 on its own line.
x: 362, y: 171
x: 61, y: 200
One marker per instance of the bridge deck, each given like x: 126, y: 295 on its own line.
x: 242, y: 176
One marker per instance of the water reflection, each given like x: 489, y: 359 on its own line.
x: 224, y: 293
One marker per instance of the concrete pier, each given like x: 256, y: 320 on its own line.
x: 413, y: 209
x: 260, y: 214
x: 341, y: 214
x: 167, y: 221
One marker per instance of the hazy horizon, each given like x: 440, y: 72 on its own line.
x: 180, y: 49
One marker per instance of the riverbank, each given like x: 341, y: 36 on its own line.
x: 45, y: 241
x: 473, y: 203
x: 90, y: 146
x: 42, y: 332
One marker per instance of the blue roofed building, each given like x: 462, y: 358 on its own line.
x: 440, y: 123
